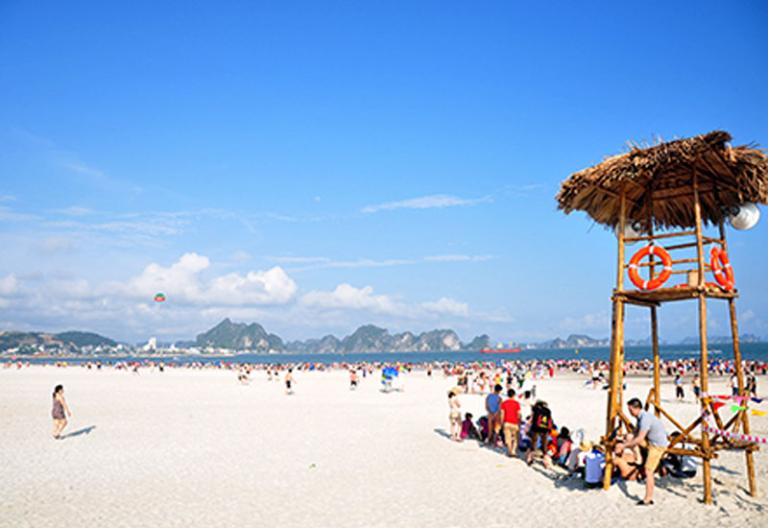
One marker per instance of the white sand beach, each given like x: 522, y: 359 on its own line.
x: 196, y: 449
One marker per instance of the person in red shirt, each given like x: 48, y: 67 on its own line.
x: 510, y: 417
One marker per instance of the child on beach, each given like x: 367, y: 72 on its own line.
x: 59, y: 412
x: 679, y: 393
x: 468, y: 429
x: 696, y: 387
x: 454, y: 416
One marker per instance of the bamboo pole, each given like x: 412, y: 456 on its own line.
x: 662, y: 235
x: 704, y: 361
x: 617, y: 340
x: 740, y: 376
x: 654, y: 325
x: 656, y: 360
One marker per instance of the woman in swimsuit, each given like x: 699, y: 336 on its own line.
x: 289, y: 381
x: 58, y: 413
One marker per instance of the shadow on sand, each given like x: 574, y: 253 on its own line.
x: 79, y: 432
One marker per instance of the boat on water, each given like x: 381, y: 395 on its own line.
x: 513, y: 350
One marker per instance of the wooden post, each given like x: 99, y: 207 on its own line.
x: 617, y: 343
x: 704, y: 360
x: 740, y: 376
x: 654, y: 323
x: 656, y: 361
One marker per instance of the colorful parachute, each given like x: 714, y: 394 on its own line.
x: 159, y: 297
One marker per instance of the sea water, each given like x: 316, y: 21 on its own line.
x: 749, y: 351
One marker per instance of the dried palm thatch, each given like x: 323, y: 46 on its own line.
x: 659, y: 182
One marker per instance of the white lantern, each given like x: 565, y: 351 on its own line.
x: 631, y: 230
x: 746, y: 218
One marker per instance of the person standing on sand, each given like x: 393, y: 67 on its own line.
x: 510, y: 417
x: 650, y: 433
x: 289, y: 381
x: 679, y: 393
x: 454, y: 416
x: 541, y: 425
x: 696, y: 387
x: 60, y: 407
x: 492, y: 407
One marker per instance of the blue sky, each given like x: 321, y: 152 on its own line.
x: 316, y: 166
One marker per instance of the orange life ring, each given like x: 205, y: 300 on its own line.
x: 721, y: 268
x: 661, y: 278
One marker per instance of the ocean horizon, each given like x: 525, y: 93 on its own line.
x: 749, y: 351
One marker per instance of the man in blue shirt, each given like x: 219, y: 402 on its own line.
x: 493, y: 408
x: 651, y: 434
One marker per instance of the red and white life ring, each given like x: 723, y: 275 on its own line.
x: 661, y: 278
x: 721, y: 268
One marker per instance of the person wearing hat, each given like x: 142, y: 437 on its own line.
x: 575, y: 461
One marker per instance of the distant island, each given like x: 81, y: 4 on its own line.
x: 228, y: 338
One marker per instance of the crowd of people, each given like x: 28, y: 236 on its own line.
x: 522, y: 426
x: 514, y: 421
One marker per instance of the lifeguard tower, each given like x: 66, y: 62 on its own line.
x: 665, y: 196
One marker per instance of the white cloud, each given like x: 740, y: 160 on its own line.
x: 591, y: 321
x: 182, y: 281
x: 9, y: 215
x: 426, y: 202
x: 8, y: 285
x: 447, y: 306
x: 272, y: 286
x: 74, y: 210
x: 458, y: 258
x: 309, y: 263
x: 347, y: 297
x: 55, y: 244
x: 7, y: 198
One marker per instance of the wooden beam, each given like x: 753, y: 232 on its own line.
x: 704, y: 361
x: 659, y: 236
x: 740, y: 377
x: 656, y: 360
x: 617, y: 341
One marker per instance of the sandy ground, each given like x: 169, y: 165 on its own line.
x: 195, y: 448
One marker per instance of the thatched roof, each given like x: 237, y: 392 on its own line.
x: 661, y: 177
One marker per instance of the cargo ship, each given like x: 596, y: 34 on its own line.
x: 513, y: 350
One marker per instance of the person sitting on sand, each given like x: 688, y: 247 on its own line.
x: 455, y: 416
x: 493, y: 408
x: 468, y: 429
x: 679, y: 466
x: 564, y: 444
x: 59, y: 412
x: 524, y: 442
x: 482, y: 427
x: 627, y: 460
x: 577, y: 458
x: 594, y: 465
